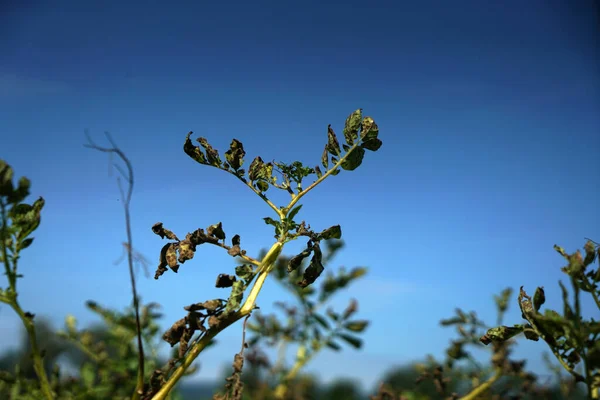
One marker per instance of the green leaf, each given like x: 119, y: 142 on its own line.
x: 276, y: 224
x: 333, y: 345
x: 333, y: 146
x: 88, y: 375
x: 321, y: 320
x: 356, y: 326
x: 353, y: 159
x: 351, y: 340
x: 294, y: 212
x: 351, y: 126
x: 262, y: 186
x: 244, y: 271
x: 26, y: 218
x: 235, y: 154
x: 24, y: 244
x: 236, y: 296
x: 6, y: 175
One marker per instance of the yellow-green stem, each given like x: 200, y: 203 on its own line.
x: 281, y: 389
x: 266, y: 266
x: 484, y: 387
x: 38, y: 363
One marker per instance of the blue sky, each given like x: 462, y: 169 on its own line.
x: 488, y: 115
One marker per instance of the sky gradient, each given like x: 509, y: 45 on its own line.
x: 488, y: 115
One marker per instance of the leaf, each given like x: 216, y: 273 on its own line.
x: 353, y: 159
x: 351, y: 126
x: 321, y: 320
x: 294, y: 211
x: 369, y: 129
x: 333, y: 232
x: 314, y: 269
x: 235, y: 154
x: 333, y: 345
x: 271, y: 221
x: 216, y: 230
x: 372, y: 144
x: 501, y: 334
x: 333, y: 146
x: 193, y: 151
x: 236, y: 296
x: 88, y: 375
x: 356, y: 326
x: 244, y: 271
x: 6, y: 175
x: 212, y: 155
x: 296, y: 261
x: 262, y: 186
x: 225, y: 281
x: 159, y: 230
x: 318, y: 172
x: 24, y: 244
x: 539, y: 298
x: 351, y: 340
x: 325, y: 159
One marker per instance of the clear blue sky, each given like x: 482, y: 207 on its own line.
x: 488, y: 114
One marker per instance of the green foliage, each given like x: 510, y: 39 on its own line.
x: 118, y: 359
x: 571, y: 338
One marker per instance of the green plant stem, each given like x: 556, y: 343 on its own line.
x: 281, y: 389
x: 11, y: 299
x: 38, y: 363
x: 266, y: 266
x: 484, y: 387
x: 321, y: 179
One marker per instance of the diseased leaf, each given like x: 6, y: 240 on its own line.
x: 333, y: 232
x: 325, y: 159
x: 159, y: 230
x: 333, y: 146
x: 501, y: 334
x: 296, y: 261
x: 194, y: 151
x: 369, y: 129
x: 353, y: 159
x: 212, y: 155
x: 216, y: 230
x: 351, y: 126
x: 372, y: 144
x: 318, y: 172
x: 225, y: 281
x: 314, y: 269
x: 235, y: 154
x: 539, y: 298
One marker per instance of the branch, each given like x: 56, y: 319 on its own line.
x: 126, y: 198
